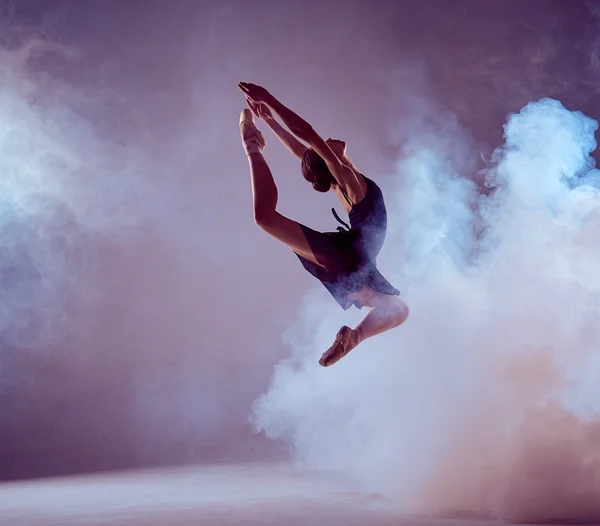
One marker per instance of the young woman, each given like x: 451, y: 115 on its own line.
x: 344, y: 261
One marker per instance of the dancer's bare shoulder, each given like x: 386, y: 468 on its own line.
x: 355, y: 187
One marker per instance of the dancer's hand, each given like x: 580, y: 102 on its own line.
x: 260, y: 110
x: 255, y: 92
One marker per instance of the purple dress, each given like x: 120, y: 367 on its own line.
x: 350, y: 255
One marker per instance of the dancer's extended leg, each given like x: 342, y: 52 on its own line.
x: 264, y: 193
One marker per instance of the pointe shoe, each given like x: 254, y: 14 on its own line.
x: 345, y: 340
x: 252, y: 139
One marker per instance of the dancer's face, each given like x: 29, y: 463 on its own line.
x: 338, y: 147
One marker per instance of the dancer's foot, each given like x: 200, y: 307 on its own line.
x: 346, y: 340
x: 252, y: 139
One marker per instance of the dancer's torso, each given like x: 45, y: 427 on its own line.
x: 368, y: 218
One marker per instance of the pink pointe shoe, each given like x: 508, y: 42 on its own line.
x: 345, y: 340
x: 252, y: 139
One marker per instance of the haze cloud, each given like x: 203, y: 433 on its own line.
x: 482, y: 403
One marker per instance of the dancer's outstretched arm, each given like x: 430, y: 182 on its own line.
x: 263, y: 112
x: 344, y: 175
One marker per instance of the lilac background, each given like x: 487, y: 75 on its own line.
x: 174, y: 322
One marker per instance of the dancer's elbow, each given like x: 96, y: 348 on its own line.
x: 264, y: 218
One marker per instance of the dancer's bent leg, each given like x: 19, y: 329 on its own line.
x: 387, y: 313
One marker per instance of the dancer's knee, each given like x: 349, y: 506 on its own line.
x: 395, y: 308
x: 401, y: 311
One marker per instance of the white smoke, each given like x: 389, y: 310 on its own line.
x: 486, y: 401
x: 114, y: 275
x: 63, y: 189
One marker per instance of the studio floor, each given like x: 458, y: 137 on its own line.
x: 255, y: 494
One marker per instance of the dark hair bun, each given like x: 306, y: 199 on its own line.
x: 322, y: 186
x: 315, y: 171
